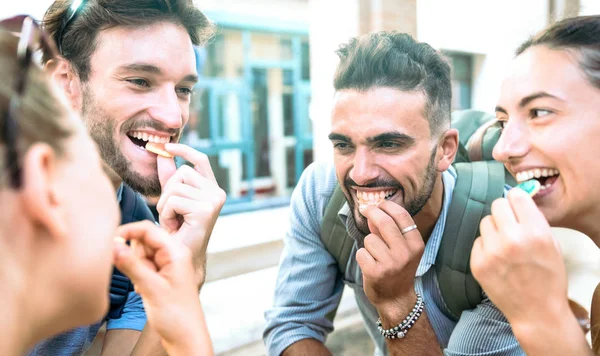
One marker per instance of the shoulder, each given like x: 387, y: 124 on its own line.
x: 315, y: 188
x: 319, y: 178
x: 134, y: 207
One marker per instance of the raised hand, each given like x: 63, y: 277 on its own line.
x: 190, y: 202
x: 390, y: 259
x: 161, y: 269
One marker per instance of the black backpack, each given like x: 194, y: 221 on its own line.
x: 133, y: 208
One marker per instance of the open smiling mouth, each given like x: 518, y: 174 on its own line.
x: 546, y: 176
x: 374, y: 197
x: 148, y: 142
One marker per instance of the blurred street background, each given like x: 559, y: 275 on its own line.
x: 261, y: 113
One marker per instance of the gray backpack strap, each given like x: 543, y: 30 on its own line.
x: 478, y: 184
x: 333, y: 232
x: 335, y: 236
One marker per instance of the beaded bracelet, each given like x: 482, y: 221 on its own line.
x: 399, y: 331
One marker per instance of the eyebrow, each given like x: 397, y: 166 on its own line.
x: 339, y: 137
x: 392, y: 136
x: 526, y: 100
x: 386, y: 136
x: 152, y: 69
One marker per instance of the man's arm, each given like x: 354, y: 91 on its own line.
x: 122, y: 334
x: 420, y: 340
x: 308, y: 285
x: 307, y: 347
x: 119, y: 342
x: 389, y: 263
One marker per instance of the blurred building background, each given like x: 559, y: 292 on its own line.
x: 261, y: 113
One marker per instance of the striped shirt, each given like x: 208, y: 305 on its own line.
x: 309, y: 285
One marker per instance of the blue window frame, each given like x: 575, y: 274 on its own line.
x: 250, y: 111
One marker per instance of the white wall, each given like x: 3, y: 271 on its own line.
x: 35, y: 8
x: 589, y: 7
x: 490, y: 29
x: 280, y: 10
x: 325, y: 38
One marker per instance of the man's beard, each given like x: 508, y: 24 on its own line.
x: 101, y: 127
x: 413, y: 206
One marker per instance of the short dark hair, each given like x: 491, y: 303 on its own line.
x: 79, y: 38
x: 580, y: 34
x: 396, y: 60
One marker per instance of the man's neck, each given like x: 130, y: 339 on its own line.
x: 427, y: 218
x: 114, y: 177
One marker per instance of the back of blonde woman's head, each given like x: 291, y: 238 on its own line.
x: 42, y: 116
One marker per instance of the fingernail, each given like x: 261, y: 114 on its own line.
x: 531, y: 187
x: 119, y: 240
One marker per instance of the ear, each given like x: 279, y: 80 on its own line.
x: 39, y: 191
x: 447, y: 148
x: 64, y: 76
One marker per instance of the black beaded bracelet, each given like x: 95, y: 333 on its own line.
x: 399, y: 331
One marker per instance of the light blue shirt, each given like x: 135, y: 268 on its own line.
x: 75, y: 342
x: 309, y: 286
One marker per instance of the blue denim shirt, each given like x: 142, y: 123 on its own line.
x: 309, y: 285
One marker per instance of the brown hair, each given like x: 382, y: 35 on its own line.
x: 42, y: 116
x: 79, y: 38
x: 580, y: 34
x: 396, y: 60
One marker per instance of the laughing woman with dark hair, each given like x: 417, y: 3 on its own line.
x: 549, y: 109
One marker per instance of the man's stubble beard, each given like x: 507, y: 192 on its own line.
x: 101, y: 128
x: 414, y: 206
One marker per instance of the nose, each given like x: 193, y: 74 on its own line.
x: 514, y: 142
x: 167, y: 109
x: 364, y: 168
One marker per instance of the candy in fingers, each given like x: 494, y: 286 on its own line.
x: 531, y: 187
x: 159, y: 149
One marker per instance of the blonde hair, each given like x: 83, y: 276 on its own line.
x: 42, y: 116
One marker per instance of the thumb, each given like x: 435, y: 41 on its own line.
x: 166, y: 168
x: 372, y: 228
x: 142, y: 276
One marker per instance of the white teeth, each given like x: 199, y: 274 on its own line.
x: 537, y: 173
x: 150, y: 138
x: 373, y: 198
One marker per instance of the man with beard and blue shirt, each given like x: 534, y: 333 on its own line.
x: 393, y: 153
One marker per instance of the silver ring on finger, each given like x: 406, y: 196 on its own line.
x: 408, y: 229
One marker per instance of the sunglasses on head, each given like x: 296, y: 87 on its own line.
x: 69, y: 17
x: 31, y: 39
